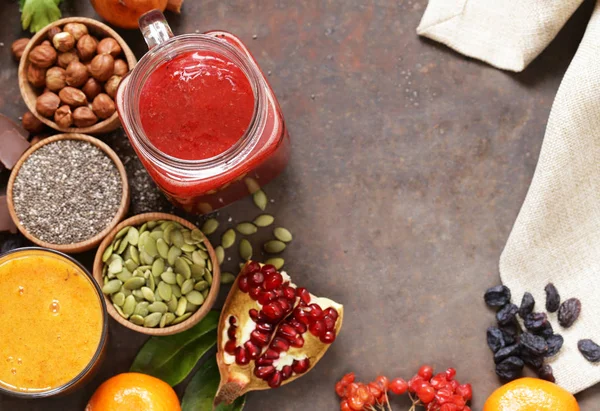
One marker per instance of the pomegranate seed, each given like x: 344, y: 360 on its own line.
x: 263, y: 318
x: 230, y: 347
x: 286, y: 372
x: 243, y: 284
x: 465, y: 391
x: 264, y: 327
x: 254, y: 292
x: 252, y: 267
x: 398, y: 386
x: 304, y: 295
x: 288, y: 331
x: 331, y: 312
x: 278, y: 292
x: 426, y: 371
x: 253, y: 314
x: 285, y: 305
x: 241, y: 356
x: 263, y: 372
x: 329, y: 323
x: 301, y: 328
x: 273, y: 281
x: 272, y: 311
x: 231, y: 332
x: 289, y: 293
x: 301, y: 366
x: 265, y: 297
x: 264, y: 361
x: 298, y: 342
x: 268, y: 269
x: 426, y: 394
x: 316, y: 328
x: 301, y: 315
x: 279, y: 344
x: 252, y: 349
x: 275, y: 380
x: 450, y: 373
x: 327, y: 337
x: 259, y: 338
x: 232, y: 320
x: 271, y: 354
x: 256, y: 279
x: 315, y: 313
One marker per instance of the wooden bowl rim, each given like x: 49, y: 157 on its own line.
x: 172, y: 329
x: 93, y: 241
x: 105, y: 125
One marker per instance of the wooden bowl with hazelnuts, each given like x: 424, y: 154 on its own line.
x: 69, y: 73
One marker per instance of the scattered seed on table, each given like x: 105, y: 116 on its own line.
x: 264, y: 220
x: 589, y: 349
x: 569, y: 312
x: 245, y: 249
x: 552, y: 298
x: 274, y: 246
x: 276, y: 262
x: 228, y: 238
x: 226, y: 278
x: 282, y: 234
x: 246, y: 228
x: 260, y: 199
x: 210, y: 226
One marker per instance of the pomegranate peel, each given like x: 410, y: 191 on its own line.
x: 267, y: 335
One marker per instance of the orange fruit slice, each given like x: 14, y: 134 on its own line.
x: 531, y: 394
x: 133, y: 391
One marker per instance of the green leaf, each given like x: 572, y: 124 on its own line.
x: 37, y: 14
x: 173, y: 357
x: 200, y: 393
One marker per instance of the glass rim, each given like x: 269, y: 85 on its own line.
x: 103, y: 336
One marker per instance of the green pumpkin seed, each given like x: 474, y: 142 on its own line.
x: 142, y: 240
x: 176, y: 290
x: 152, y: 320
x: 120, y: 311
x: 181, y: 306
x: 157, y: 235
x: 158, y: 307
x: 201, y: 285
x: 181, y: 318
x: 174, y: 252
x: 168, y: 318
x: 152, y: 224
x: 122, y: 232
x: 168, y: 277
x: 188, y: 248
x: 197, y: 271
x: 276, y: 262
x: 197, y: 235
x: 181, y: 267
x: 151, y: 282
x: 198, y: 259
x: 126, y: 292
x: 116, y: 245
x: 228, y: 238
x: 162, y: 247
x: 146, y: 258
x: 220, y: 253
x: 163, y: 321
x: 165, y: 291
x: 180, y: 279
x: 264, y: 220
x: 134, y: 283
x: 123, y: 245
x: 107, y: 253
x: 131, y: 265
x: 141, y: 308
x: 177, y: 238
x: 187, y: 238
x: 135, y: 255
x: 137, y: 319
x: 129, y: 305
x: 282, y: 234
x: 167, y: 233
x: 226, y: 278
x: 118, y: 299
x: 204, y: 294
x: 210, y: 226
x: 112, y: 286
x: 138, y: 294
x: 151, y: 247
x: 252, y: 185
x: 157, y: 296
x: 190, y: 308
x: 148, y: 294
x: 260, y: 199
x: 195, y: 297
x: 124, y: 275
x: 116, y: 266
x: 158, y: 267
x: 246, y: 228
x: 208, y: 277
x: 187, y: 286
x: 274, y: 246
x: 245, y: 249
x: 143, y: 228
x: 172, y: 304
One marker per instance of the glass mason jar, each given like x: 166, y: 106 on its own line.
x: 201, y: 186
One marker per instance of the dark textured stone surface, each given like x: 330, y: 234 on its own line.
x: 409, y: 166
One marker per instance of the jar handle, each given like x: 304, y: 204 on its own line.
x: 155, y: 28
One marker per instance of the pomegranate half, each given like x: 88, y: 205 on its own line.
x: 271, y: 332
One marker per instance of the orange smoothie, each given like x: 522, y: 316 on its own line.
x: 51, y: 321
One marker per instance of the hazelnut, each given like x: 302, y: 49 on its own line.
x: 72, y: 96
x: 77, y: 74
x: 103, y: 106
x: 110, y: 46
x: 102, y: 67
x: 56, y: 78
x: 36, y: 75
x: 77, y: 30
x: 47, y: 103
x: 66, y: 58
x: 43, y: 56
x: 121, y: 67
x: 112, y: 85
x: 92, y: 88
x: 46, y: 43
x: 63, y: 41
x: 63, y: 117
x: 32, y: 124
x: 84, y: 117
x: 53, y: 31
x: 86, y: 46
x: 18, y: 47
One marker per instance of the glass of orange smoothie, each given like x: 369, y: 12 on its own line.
x: 53, y: 323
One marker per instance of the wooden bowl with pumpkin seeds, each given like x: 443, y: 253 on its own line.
x: 158, y: 272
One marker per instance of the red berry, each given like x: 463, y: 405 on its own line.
x: 348, y: 378
x: 465, y: 391
x: 383, y: 382
x: 467, y: 408
x: 340, y: 389
x: 355, y: 403
x: 344, y: 406
x: 439, y: 381
x: 448, y: 407
x: 443, y: 395
x: 398, y: 386
x: 351, y: 389
x: 426, y: 394
x: 450, y: 373
x: 375, y: 389
x: 458, y: 401
x: 415, y: 383
x: 426, y: 371
x: 453, y: 385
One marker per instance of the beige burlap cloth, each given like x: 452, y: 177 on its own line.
x: 556, y: 237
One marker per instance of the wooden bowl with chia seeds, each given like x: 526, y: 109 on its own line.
x: 67, y: 192
x: 141, y: 223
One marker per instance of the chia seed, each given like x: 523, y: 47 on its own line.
x: 67, y: 191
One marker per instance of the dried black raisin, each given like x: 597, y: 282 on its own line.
x: 533, y: 344
x: 504, y: 353
x: 569, y: 312
x: 555, y: 343
x: 546, y: 332
x: 527, y: 304
x: 507, y: 314
x: 535, y: 322
x: 495, y: 339
x: 552, y: 298
x: 534, y: 362
x: 510, y: 369
x: 589, y: 349
x: 510, y: 332
x: 545, y: 373
x: 497, y: 296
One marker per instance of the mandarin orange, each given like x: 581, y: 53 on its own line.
x: 125, y: 13
x: 531, y: 394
